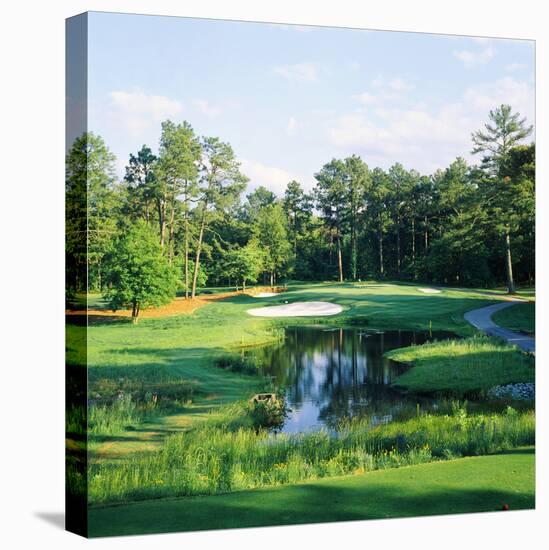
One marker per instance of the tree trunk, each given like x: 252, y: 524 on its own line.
x: 353, y: 253
x: 171, y: 245
x: 186, y: 266
x: 381, y: 268
x: 135, y: 313
x: 398, y: 244
x: 161, y: 207
x: 509, y: 263
x: 413, y: 241
x: 339, y: 259
x: 198, y: 251
x: 244, y: 285
x: 426, y: 235
x: 272, y: 279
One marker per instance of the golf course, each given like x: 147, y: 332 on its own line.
x: 199, y: 368
x: 360, y: 344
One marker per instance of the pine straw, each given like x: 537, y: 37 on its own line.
x: 179, y: 306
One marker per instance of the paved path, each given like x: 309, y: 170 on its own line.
x: 482, y: 319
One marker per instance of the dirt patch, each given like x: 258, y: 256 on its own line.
x: 179, y: 306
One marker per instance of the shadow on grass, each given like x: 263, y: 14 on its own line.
x: 399, y: 494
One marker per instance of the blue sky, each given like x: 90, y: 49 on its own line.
x: 290, y: 98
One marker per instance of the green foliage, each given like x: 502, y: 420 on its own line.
x: 460, y: 226
x: 244, y: 264
x: 90, y: 210
x: 140, y: 186
x: 268, y: 413
x: 138, y: 275
x: 504, y: 131
x: 271, y: 233
x: 507, y: 199
x: 259, y: 198
x: 202, y: 275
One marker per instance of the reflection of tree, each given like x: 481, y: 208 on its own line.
x: 342, y: 372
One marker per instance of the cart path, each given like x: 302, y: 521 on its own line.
x: 482, y: 319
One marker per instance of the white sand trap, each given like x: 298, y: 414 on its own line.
x: 429, y: 290
x: 298, y: 309
x: 265, y: 294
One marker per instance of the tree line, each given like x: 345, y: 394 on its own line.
x: 181, y: 218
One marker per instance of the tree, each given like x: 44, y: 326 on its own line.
x: 358, y: 180
x: 90, y: 204
x: 140, y: 185
x: 505, y: 130
x: 178, y: 172
x: 272, y: 236
x: 521, y: 167
x: 257, y: 199
x: 243, y: 264
x: 221, y: 185
x: 379, y: 215
x: 400, y: 184
x: 138, y: 274
x: 331, y: 195
x: 298, y: 208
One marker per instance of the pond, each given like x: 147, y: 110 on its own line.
x: 330, y: 374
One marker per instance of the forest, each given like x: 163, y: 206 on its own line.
x: 187, y: 217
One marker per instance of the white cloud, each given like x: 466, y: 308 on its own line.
x: 393, y: 84
x: 474, y: 58
x: 275, y: 179
x: 511, y: 67
x: 518, y: 94
x: 292, y: 126
x: 384, y: 90
x: 137, y: 111
x: 299, y: 72
x: 424, y: 138
x: 207, y: 108
x: 366, y: 98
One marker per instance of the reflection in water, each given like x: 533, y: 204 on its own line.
x: 331, y: 374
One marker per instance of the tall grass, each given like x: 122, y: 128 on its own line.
x: 213, y: 459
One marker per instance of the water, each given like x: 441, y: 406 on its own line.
x: 328, y: 374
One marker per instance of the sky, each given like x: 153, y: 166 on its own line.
x: 290, y: 98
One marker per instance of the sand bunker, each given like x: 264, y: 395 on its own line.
x: 265, y: 294
x: 429, y: 290
x: 298, y: 309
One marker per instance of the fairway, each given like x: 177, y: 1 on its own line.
x: 479, y: 484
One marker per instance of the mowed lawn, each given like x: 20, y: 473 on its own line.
x: 476, y: 484
x: 520, y: 317
x: 461, y: 367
